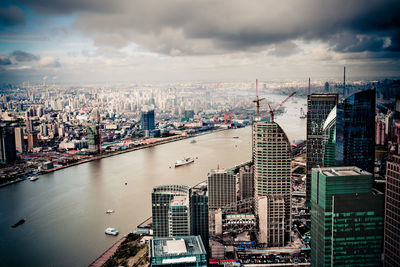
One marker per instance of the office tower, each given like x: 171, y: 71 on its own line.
x: 380, y: 137
x: 168, y: 203
x: 391, y: 246
x: 7, y: 145
x: 32, y: 141
x: 29, y: 125
x: 43, y: 130
x: 319, y: 106
x: 19, y: 139
x: 271, y: 153
x: 346, y: 218
x: 178, y: 251
x: 199, y: 216
x: 221, y: 188
x: 147, y: 122
x: 349, y: 132
x: 246, y: 183
x: 93, y: 136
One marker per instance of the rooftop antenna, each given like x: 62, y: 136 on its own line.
x: 344, y: 82
x: 257, y: 101
x: 309, y: 86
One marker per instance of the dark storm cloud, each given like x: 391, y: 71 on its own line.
x: 4, y: 60
x: 11, y: 15
x: 23, y: 56
x: 214, y: 27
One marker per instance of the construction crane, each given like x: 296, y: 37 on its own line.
x: 257, y: 100
x: 271, y: 111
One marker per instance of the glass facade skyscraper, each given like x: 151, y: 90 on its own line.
x: 346, y: 218
x: 349, y: 132
x: 199, y: 217
x: 148, y: 122
x: 319, y: 105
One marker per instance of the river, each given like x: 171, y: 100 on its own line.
x: 65, y: 210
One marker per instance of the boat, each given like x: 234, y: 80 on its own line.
x: 33, y: 178
x: 111, y: 231
x: 235, y: 137
x: 22, y: 221
x: 110, y: 211
x: 183, y: 161
x: 193, y: 141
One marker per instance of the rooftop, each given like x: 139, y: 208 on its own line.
x: 176, y: 246
x: 343, y: 171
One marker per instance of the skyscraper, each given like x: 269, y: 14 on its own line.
x: 271, y: 153
x: 93, y: 136
x: 246, y: 183
x: 349, y: 132
x: 319, y: 106
x: 147, y: 122
x: 171, y: 210
x: 7, y: 145
x: 199, y: 216
x: 19, y: 139
x: 346, y: 218
x: 392, y: 212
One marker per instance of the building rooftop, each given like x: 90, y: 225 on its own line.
x: 180, y: 201
x: 343, y: 171
x: 176, y: 246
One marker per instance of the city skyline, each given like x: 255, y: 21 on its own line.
x: 94, y: 41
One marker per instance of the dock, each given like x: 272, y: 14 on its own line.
x: 107, y: 254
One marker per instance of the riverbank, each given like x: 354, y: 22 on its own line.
x: 115, y: 153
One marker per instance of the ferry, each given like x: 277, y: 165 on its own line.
x: 183, y: 161
x: 110, y: 211
x: 33, y: 178
x: 111, y: 231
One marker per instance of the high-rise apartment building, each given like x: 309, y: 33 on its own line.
x: 349, y: 132
x: 221, y: 188
x: 171, y: 210
x: 148, y: 122
x: 319, y: 106
x: 271, y: 154
x: 19, y: 139
x: 392, y: 212
x: 32, y: 141
x: 346, y: 218
x: 7, y: 145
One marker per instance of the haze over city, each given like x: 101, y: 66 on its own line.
x: 89, y: 41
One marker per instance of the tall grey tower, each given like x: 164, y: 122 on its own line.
x: 271, y: 155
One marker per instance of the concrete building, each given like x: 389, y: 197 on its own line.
x: 19, y: 139
x: 7, y: 145
x: 319, y: 106
x: 271, y: 154
x: 171, y: 210
x: 346, y: 218
x: 272, y: 228
x: 392, y: 212
x: 380, y: 136
x: 221, y: 188
x: 246, y: 183
x: 32, y: 141
x: 185, y: 251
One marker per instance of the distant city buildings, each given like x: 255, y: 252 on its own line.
x: 272, y: 176
x: 346, y: 218
x: 319, y: 106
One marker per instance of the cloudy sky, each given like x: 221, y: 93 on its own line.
x: 86, y: 41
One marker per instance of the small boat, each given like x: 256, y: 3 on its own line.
x: 183, y: 161
x: 111, y: 231
x: 33, y: 178
x: 110, y: 211
x: 193, y: 141
x: 235, y: 137
x: 22, y: 221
